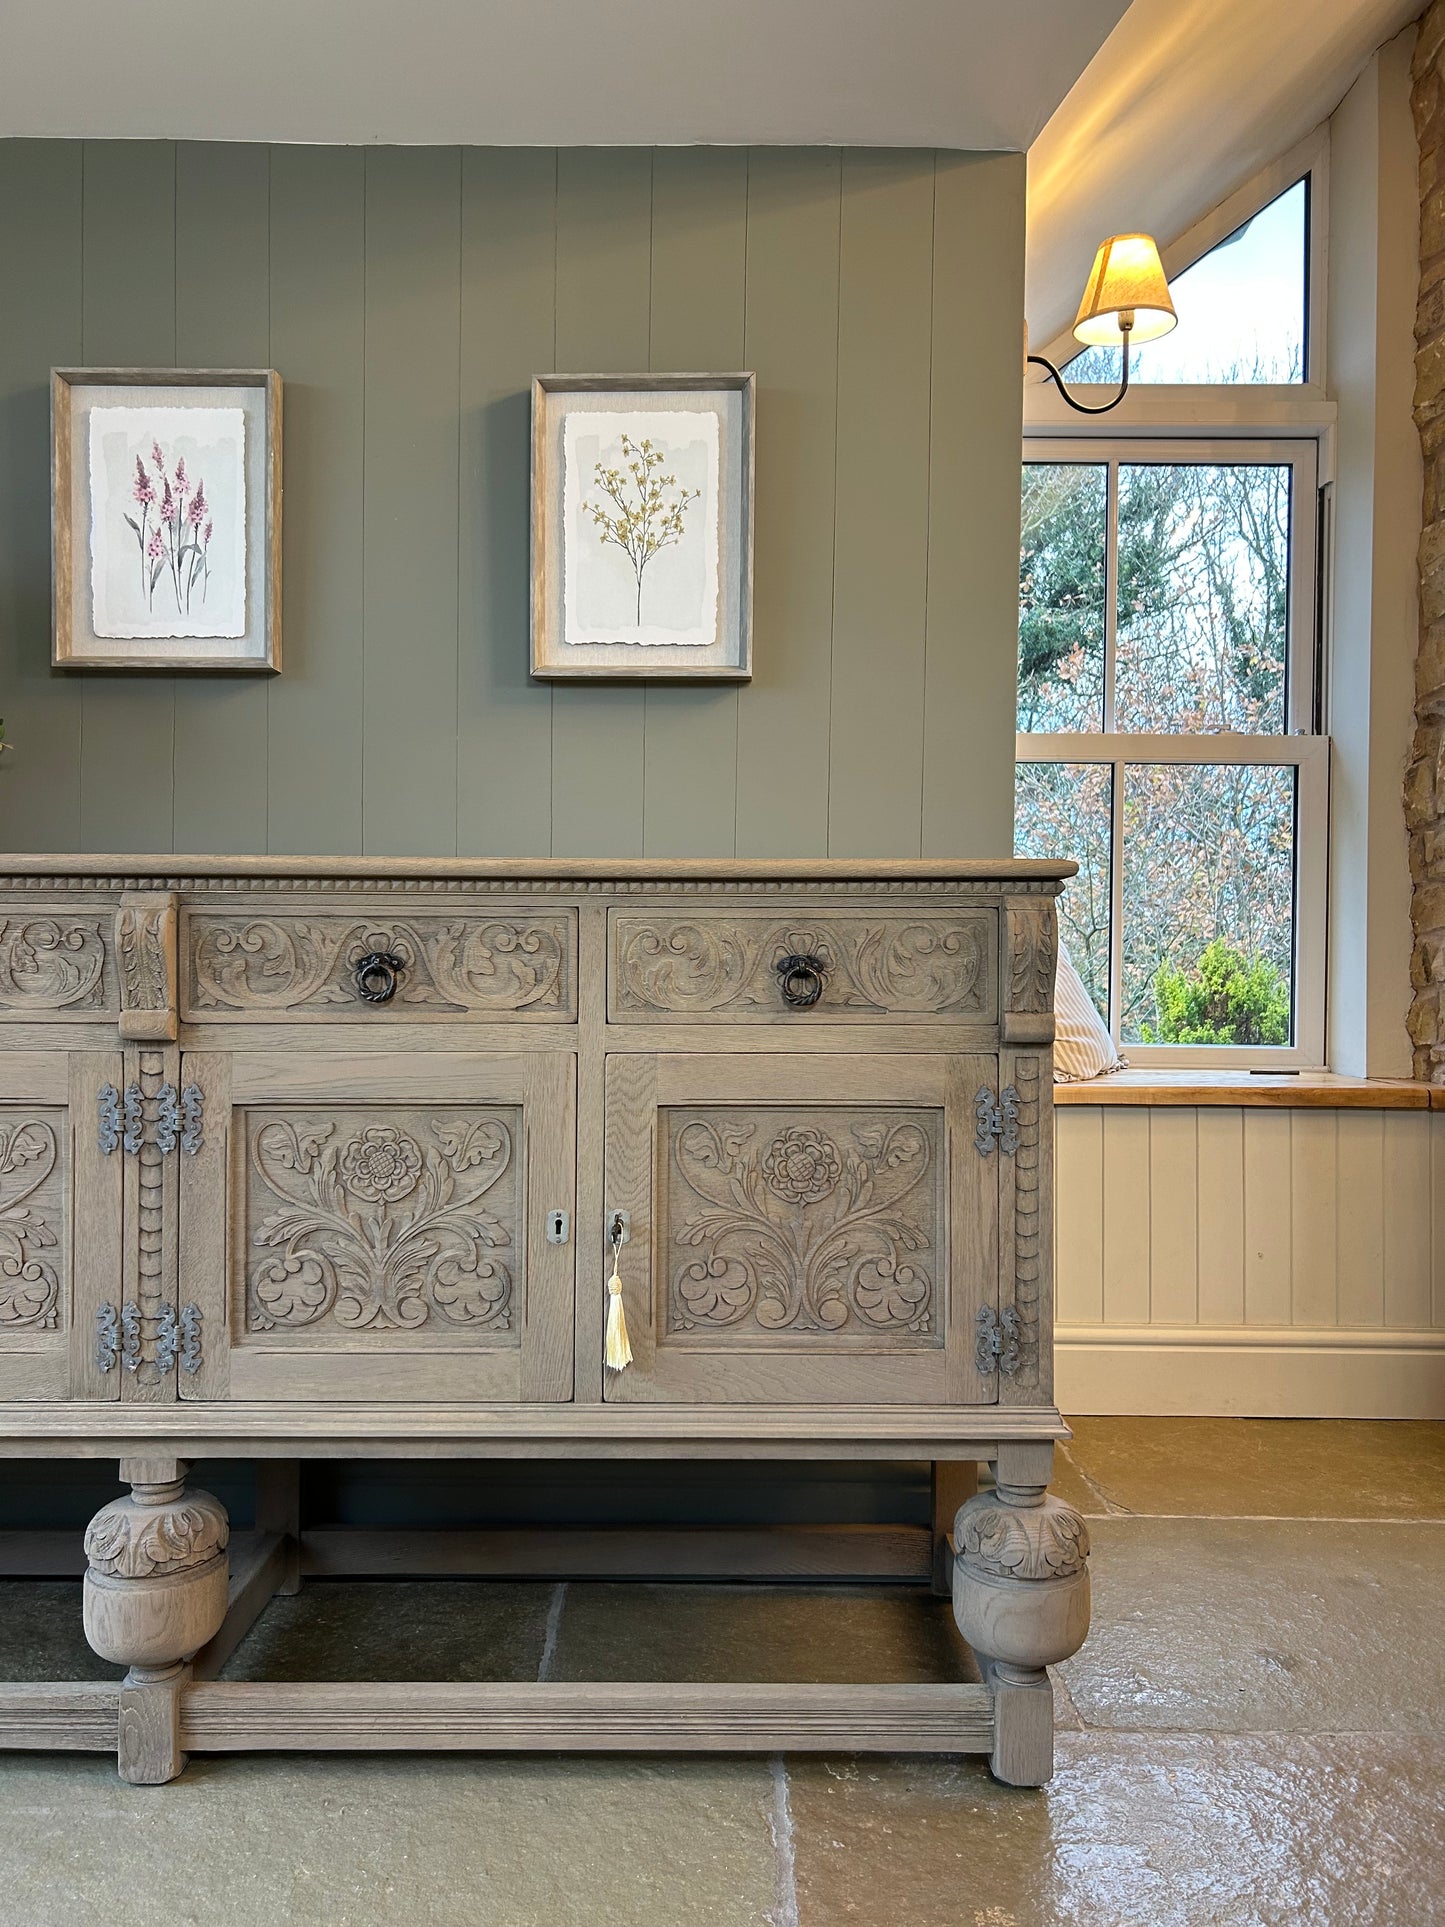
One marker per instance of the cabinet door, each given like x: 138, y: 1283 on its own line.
x: 357, y: 1227
x: 803, y: 1228
x: 60, y: 1225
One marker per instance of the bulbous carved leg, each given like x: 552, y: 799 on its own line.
x: 155, y: 1592
x: 1021, y: 1600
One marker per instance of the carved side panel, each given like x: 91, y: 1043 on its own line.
x: 54, y: 966
x: 360, y: 1226
x: 145, y: 948
x: 259, y: 967
x: 901, y: 963
x: 824, y: 1226
x: 33, y: 1241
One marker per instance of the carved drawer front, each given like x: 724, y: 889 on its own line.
x: 725, y: 966
x: 802, y: 1228
x: 56, y: 965
x: 383, y: 1237
x: 238, y: 966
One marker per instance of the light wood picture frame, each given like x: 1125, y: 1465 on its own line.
x: 642, y: 527
x: 156, y: 564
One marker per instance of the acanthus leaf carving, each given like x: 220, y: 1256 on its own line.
x: 52, y: 964
x: 129, y: 1539
x: 806, y: 1227
x: 908, y: 964
x: 1032, y: 949
x: 380, y: 1226
x: 262, y: 965
x: 145, y: 946
x: 1044, y: 1541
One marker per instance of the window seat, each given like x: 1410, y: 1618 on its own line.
x: 1308, y: 1090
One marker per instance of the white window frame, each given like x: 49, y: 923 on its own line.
x: 1297, y: 746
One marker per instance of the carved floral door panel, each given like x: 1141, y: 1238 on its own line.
x: 833, y: 1248
x: 363, y: 1228
x: 60, y: 1225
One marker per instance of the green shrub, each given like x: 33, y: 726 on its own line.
x: 1227, y: 999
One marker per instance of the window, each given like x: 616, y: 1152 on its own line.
x: 1242, y: 308
x: 1166, y: 716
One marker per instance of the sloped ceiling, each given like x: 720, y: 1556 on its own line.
x: 1182, y: 104
x: 950, y: 73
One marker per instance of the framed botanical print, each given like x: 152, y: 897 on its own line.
x: 642, y: 527
x: 166, y: 518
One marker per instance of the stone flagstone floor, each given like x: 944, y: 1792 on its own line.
x: 1254, y: 1736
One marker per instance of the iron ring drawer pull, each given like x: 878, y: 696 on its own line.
x: 376, y: 976
x: 800, y: 979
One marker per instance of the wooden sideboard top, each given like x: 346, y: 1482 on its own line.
x: 483, y: 870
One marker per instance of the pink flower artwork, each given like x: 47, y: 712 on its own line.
x: 174, y: 546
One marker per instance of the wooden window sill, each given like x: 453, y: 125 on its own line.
x: 1309, y: 1090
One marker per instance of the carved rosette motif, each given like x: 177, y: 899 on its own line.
x: 50, y: 964
x: 29, y: 1217
x: 807, y: 1227
x: 379, y: 1225
x: 131, y: 1539
x: 268, y: 964
x: 1004, y: 1541
x: 926, y: 965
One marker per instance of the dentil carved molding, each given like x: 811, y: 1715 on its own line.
x: 378, y: 1224
x: 31, y: 1211
x: 922, y: 964
x: 1044, y: 1541
x: 130, y: 1539
x: 823, y: 1227
x: 50, y: 965
x: 258, y: 966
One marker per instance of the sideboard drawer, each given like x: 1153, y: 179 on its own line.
x: 56, y: 965
x: 239, y: 967
x: 728, y: 966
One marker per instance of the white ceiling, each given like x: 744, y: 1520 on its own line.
x: 949, y: 73
x: 1182, y: 104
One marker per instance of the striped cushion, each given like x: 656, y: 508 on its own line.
x: 1083, y: 1047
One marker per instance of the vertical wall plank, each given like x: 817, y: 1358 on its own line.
x: 1221, y: 1216
x: 604, y: 254
x: 1407, y: 1220
x: 1360, y: 1215
x: 881, y: 559
x: 699, y: 271
x: 976, y: 408
x: 223, y: 320
x: 1079, y: 1214
x: 509, y: 296
x: 318, y: 282
x: 1437, y: 1217
x: 1313, y: 1293
x: 1268, y: 1220
x: 1173, y: 1217
x: 409, y: 562
x: 40, y: 254
x: 794, y: 203
x: 1126, y: 1216
x: 128, y: 320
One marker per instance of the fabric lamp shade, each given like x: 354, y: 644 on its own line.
x: 1127, y: 278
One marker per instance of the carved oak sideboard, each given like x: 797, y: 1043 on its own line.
x: 305, y: 1158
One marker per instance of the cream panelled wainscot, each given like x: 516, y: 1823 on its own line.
x: 326, y: 1158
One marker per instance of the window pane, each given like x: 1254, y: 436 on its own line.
x: 1061, y: 596
x: 1208, y: 894
x: 1063, y: 810
x: 1203, y: 610
x: 1241, y: 309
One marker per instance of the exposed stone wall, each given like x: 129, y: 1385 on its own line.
x: 1425, y: 783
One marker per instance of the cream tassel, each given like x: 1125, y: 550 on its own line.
x: 615, y: 1348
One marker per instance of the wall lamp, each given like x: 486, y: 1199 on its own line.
x: 1125, y: 299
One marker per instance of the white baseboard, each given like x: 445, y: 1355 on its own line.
x: 1249, y: 1371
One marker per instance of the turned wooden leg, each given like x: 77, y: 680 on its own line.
x: 1021, y: 1599
x: 155, y: 1591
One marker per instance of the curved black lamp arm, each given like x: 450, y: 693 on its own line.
x: 1083, y: 407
